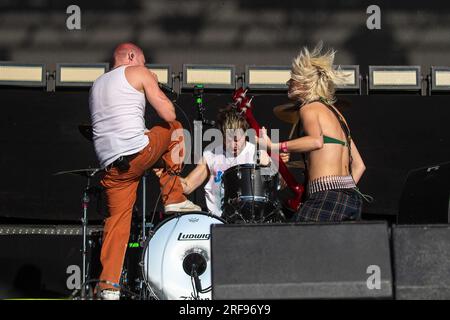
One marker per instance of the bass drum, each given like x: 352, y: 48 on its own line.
x: 176, y: 260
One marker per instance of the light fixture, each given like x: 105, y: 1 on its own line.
x: 267, y: 77
x: 22, y: 74
x: 163, y: 72
x: 440, y: 79
x: 395, y: 78
x: 79, y: 74
x: 351, y: 81
x: 272, y: 77
x: 213, y: 76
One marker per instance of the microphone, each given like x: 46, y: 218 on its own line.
x: 197, y: 282
x: 164, y: 87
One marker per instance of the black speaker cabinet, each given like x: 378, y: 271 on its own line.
x: 301, y: 261
x: 422, y: 262
x: 44, y: 261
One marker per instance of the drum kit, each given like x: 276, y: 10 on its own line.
x: 175, y: 256
x: 250, y: 196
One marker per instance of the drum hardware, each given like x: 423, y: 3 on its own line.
x: 144, y: 222
x: 86, y: 131
x: 131, y: 280
x: 194, y: 264
x: 128, y: 285
x: 194, y: 261
x: 176, y: 266
x: 88, y: 174
x: 252, y: 198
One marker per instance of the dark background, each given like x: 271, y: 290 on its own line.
x: 39, y: 136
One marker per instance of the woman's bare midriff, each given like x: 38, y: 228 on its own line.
x: 331, y: 160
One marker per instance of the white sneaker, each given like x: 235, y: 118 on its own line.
x: 109, y: 294
x: 185, y: 206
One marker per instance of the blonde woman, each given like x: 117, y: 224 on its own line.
x: 334, y: 163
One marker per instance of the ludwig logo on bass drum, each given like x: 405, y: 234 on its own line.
x: 193, y: 236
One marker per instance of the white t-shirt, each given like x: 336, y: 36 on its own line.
x: 217, y: 163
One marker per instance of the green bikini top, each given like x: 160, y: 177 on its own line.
x: 327, y: 139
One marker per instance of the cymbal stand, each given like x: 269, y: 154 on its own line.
x: 144, y: 233
x: 84, y: 223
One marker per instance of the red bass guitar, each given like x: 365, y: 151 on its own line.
x: 244, y: 104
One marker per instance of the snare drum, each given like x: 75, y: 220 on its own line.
x: 249, y: 194
x: 178, y: 246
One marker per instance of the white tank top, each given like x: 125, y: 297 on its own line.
x: 117, y: 115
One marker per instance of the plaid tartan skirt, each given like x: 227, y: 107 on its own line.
x: 331, y: 205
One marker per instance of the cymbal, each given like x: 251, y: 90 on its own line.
x: 87, y: 173
x: 297, y: 164
x: 287, y: 112
x: 86, y: 131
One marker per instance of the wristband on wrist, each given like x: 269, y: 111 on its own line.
x: 283, y: 147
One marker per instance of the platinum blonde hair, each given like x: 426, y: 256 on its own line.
x: 313, y: 76
x: 230, y: 119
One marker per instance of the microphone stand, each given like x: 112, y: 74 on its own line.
x: 197, y: 282
x: 198, y: 100
x: 143, y: 228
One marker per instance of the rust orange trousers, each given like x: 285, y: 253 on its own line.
x: 121, y: 190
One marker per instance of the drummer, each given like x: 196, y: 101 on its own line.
x: 235, y: 150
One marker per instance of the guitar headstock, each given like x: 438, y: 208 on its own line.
x: 241, y: 100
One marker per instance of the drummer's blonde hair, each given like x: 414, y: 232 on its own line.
x: 230, y: 119
x: 313, y: 76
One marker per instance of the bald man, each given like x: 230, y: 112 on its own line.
x: 126, y: 148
